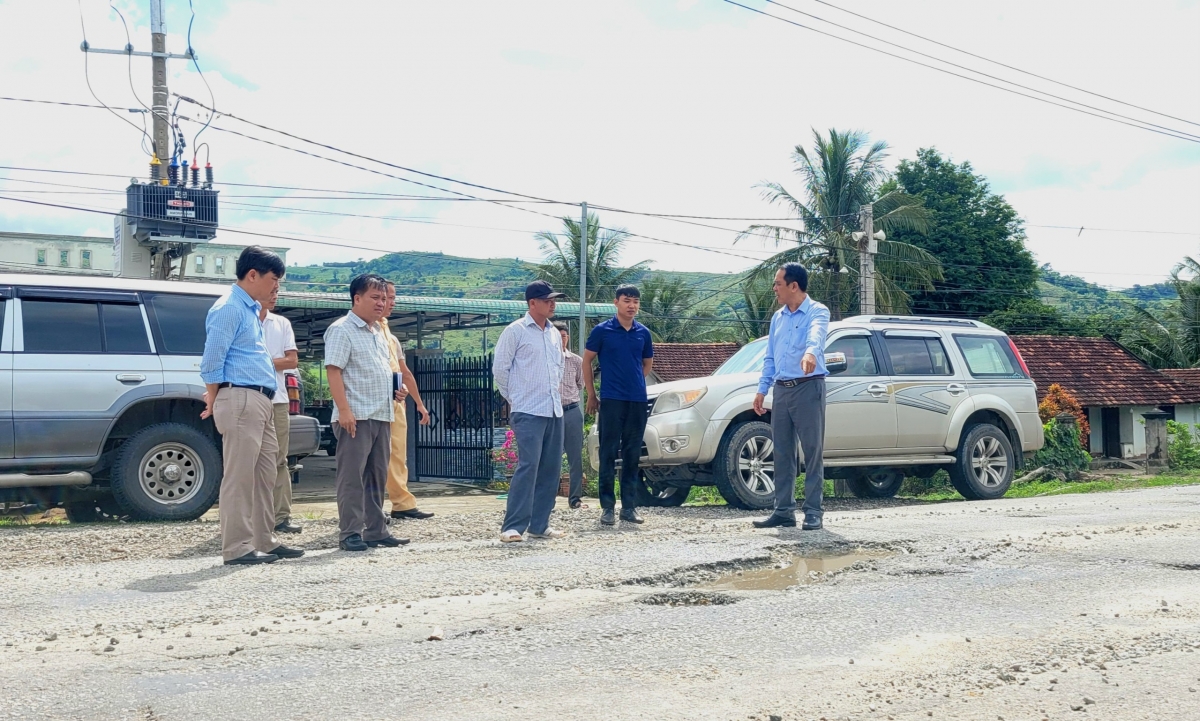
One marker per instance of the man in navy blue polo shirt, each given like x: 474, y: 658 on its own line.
x: 626, y: 354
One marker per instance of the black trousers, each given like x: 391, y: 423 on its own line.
x: 622, y: 425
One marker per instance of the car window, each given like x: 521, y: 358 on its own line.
x: 988, y: 356
x: 52, y: 326
x: 179, y: 321
x: 747, y: 360
x: 917, y: 356
x: 860, y: 361
x: 124, y: 330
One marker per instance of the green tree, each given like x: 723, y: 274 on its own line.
x: 1029, y: 316
x: 975, y: 233
x: 755, y: 309
x: 840, y: 175
x: 1170, y: 338
x: 560, y: 262
x: 672, y: 310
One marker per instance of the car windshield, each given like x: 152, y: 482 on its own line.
x: 747, y: 360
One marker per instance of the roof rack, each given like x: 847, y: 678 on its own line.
x: 919, y: 320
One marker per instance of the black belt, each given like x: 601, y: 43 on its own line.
x: 268, y: 392
x: 793, y: 382
x: 571, y: 406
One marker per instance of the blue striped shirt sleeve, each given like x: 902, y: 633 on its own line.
x: 221, y: 327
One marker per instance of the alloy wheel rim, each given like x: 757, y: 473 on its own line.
x: 756, y: 465
x: 989, y: 462
x: 171, y: 473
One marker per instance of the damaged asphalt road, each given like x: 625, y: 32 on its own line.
x: 1083, y: 606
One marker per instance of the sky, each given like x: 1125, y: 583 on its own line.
x: 660, y: 106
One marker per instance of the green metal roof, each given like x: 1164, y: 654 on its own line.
x: 419, y: 304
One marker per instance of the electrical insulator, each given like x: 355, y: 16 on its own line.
x: 183, y: 174
x: 155, y: 168
x: 208, y: 175
x: 195, y: 174
x: 173, y: 172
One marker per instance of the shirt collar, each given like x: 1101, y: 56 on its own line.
x: 803, y: 308
x: 356, y: 320
x: 245, y: 298
x: 528, y: 320
x: 615, y: 324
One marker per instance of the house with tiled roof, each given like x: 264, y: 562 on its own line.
x: 1112, y: 384
x: 1191, y: 376
x: 677, y: 361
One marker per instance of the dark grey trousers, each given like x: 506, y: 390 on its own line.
x: 534, y: 485
x: 799, y: 413
x: 362, y: 469
x: 573, y: 447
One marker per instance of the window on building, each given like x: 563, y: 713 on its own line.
x: 85, y: 259
x: 199, y: 264
x: 64, y: 258
x: 41, y: 257
x: 219, y: 266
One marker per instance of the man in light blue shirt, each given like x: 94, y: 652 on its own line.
x: 240, y: 378
x: 795, y: 366
x: 528, y: 368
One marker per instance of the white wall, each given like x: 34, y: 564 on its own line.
x: 1096, y: 437
x: 1189, y: 414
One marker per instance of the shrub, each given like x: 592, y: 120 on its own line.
x: 1183, y: 451
x: 1062, y: 451
x: 504, y: 458
x: 1059, y: 400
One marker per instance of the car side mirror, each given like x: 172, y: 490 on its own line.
x: 836, y: 363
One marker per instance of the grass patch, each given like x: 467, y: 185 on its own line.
x: 936, y: 492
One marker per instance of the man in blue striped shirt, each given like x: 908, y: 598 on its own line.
x: 528, y: 368
x: 240, y: 379
x: 795, y: 366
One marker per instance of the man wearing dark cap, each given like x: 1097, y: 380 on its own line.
x: 528, y: 367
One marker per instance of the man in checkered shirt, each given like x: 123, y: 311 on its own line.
x: 360, y: 381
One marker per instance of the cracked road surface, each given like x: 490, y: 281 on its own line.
x: 1064, y: 607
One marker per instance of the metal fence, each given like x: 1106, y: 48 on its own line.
x: 463, y: 407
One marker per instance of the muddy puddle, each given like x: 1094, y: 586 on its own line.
x: 792, y: 570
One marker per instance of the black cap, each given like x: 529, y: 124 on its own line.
x: 541, y: 289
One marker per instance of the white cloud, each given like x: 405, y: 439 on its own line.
x: 681, y: 108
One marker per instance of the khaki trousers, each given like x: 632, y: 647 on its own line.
x: 246, y: 421
x: 397, y: 480
x: 283, y: 478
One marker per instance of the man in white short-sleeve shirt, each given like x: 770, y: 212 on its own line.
x: 281, y: 344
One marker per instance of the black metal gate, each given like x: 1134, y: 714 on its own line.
x: 457, y: 443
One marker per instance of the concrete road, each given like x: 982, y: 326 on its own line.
x: 1067, y: 607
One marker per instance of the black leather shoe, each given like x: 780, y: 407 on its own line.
x: 252, y: 559
x: 390, y: 542
x: 285, y: 552
x: 776, y: 521
x: 630, y: 515
x: 812, y: 523
x: 608, y: 517
x: 353, y: 542
x: 413, y: 513
x: 288, y: 527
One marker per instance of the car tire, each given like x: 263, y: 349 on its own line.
x: 167, y: 472
x: 96, y: 510
x: 331, y: 450
x: 876, y: 482
x: 983, y: 467
x: 650, y: 494
x: 742, y: 482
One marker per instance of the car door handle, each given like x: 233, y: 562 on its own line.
x: 956, y: 388
x: 131, y: 377
x: 877, y: 389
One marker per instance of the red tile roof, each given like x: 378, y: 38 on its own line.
x: 677, y: 361
x: 1191, y: 376
x: 1099, y: 372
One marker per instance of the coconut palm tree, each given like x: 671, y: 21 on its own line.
x: 839, y: 176
x: 560, y: 263
x: 1170, y: 338
x: 755, y: 311
x: 669, y: 310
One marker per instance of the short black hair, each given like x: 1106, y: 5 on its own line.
x: 362, y: 283
x: 562, y: 327
x: 628, y: 289
x: 795, y: 273
x: 256, y: 257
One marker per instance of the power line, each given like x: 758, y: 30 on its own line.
x: 958, y: 75
x: 87, y: 79
x: 211, y: 97
x: 1003, y: 65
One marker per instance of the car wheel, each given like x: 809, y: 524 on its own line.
x: 744, y: 468
x: 984, y: 465
x: 660, y: 494
x: 331, y: 449
x: 100, y: 509
x: 876, y: 482
x: 167, y: 472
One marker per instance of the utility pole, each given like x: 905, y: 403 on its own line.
x: 583, y: 261
x: 158, y: 46
x: 867, y: 247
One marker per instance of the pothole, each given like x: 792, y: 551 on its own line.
x: 791, y: 570
x: 1182, y: 566
x: 688, y: 598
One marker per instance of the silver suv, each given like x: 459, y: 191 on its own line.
x: 906, y: 396
x: 100, y: 397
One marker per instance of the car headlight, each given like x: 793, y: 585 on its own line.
x: 677, y: 400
